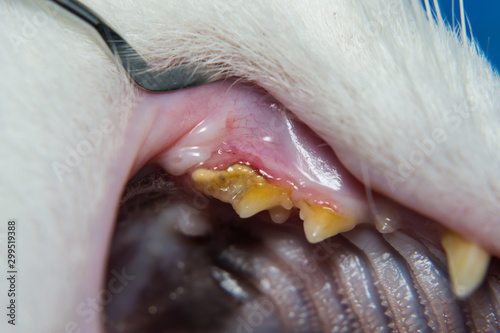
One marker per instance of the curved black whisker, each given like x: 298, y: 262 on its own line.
x: 148, y: 78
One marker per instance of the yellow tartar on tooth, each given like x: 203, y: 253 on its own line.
x: 322, y: 222
x: 262, y: 196
x: 248, y: 192
x: 467, y: 263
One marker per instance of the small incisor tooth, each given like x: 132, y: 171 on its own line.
x: 322, y: 222
x: 279, y: 214
x: 467, y: 263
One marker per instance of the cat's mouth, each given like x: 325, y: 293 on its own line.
x: 186, y: 262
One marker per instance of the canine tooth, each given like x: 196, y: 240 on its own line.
x: 322, y: 222
x: 248, y: 192
x: 467, y: 263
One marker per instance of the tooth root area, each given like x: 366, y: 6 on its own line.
x: 467, y: 263
x: 248, y: 192
x: 322, y: 222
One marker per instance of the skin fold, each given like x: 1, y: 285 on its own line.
x: 410, y: 108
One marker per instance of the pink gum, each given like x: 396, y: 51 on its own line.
x: 223, y: 123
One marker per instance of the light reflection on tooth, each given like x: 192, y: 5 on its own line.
x: 322, y: 222
x: 467, y: 263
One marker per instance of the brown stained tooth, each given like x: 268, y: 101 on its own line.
x: 467, y: 263
x: 248, y: 192
x: 226, y: 185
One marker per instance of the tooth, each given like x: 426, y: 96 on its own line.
x: 467, y: 263
x: 248, y: 192
x: 322, y: 222
x: 279, y: 214
x: 386, y: 222
x: 262, y: 197
x: 226, y: 185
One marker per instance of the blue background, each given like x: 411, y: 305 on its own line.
x: 484, y: 18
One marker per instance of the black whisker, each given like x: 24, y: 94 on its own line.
x: 148, y: 78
